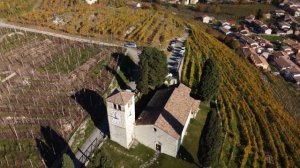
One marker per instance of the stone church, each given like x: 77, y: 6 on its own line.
x: 161, y: 126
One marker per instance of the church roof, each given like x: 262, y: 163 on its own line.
x: 169, y: 110
x: 120, y: 97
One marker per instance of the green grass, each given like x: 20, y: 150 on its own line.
x: 166, y: 161
x: 191, y: 141
x: 119, y: 159
x: 273, y: 39
x: 82, y: 134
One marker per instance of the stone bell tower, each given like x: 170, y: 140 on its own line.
x: 121, y: 117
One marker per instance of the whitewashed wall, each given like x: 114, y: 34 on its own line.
x: 146, y: 135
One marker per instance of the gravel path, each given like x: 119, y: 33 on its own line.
x: 68, y: 37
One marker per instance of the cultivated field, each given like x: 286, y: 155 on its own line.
x: 47, y: 83
x: 258, y: 130
x: 143, y: 26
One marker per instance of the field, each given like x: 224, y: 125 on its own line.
x: 287, y: 95
x: 9, y: 8
x: 51, y: 82
x: 273, y: 39
x: 124, y: 24
x: 258, y: 130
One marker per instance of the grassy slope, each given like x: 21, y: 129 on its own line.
x: 256, y: 125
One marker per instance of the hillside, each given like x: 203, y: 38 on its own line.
x: 107, y: 23
x: 259, y: 132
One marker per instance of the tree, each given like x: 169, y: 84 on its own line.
x: 67, y: 162
x: 143, y: 79
x: 259, y: 14
x: 234, y: 44
x: 153, y: 69
x: 210, y: 80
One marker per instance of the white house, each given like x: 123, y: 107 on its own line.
x: 161, y: 126
x: 207, y: 19
x: 90, y: 2
x: 225, y: 31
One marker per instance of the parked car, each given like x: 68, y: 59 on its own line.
x: 130, y: 45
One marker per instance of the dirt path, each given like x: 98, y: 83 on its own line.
x: 68, y: 37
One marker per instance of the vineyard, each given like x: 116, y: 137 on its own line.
x: 257, y: 117
x: 41, y: 78
x: 10, y: 8
x: 258, y: 131
x: 143, y: 26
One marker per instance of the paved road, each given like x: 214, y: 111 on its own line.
x: 73, y: 38
x: 86, y: 149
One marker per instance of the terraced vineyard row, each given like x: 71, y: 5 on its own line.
x: 142, y: 26
x: 258, y: 131
x: 14, y: 7
x: 46, y: 76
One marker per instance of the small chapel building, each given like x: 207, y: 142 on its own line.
x: 161, y: 126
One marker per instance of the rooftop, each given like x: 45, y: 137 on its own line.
x: 169, y: 110
x: 283, y: 62
x: 120, y: 97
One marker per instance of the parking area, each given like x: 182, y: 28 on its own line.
x: 176, y: 57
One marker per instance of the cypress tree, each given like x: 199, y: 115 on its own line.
x: 210, y: 80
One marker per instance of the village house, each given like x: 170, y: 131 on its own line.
x: 292, y: 8
x: 287, y: 50
x: 283, y: 63
x: 185, y: 2
x: 134, y: 4
x: 225, y: 24
x: 90, y: 2
x: 257, y: 60
x: 293, y: 44
x: 225, y: 31
x: 296, y: 59
x: 279, y: 54
x: 249, y: 41
x: 161, y: 126
x: 249, y: 19
x: 292, y: 73
x: 278, y: 13
x: 260, y: 27
x: 207, y: 19
x: 284, y: 25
